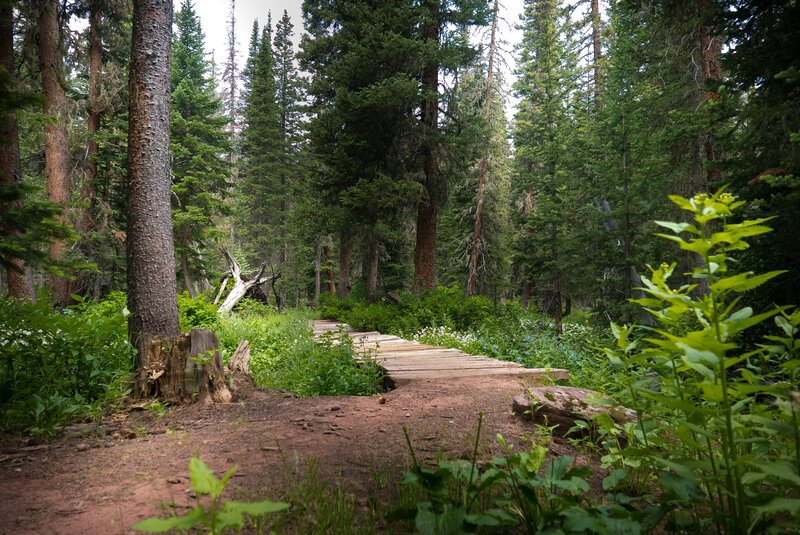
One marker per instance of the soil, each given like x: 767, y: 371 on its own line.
x: 103, y: 479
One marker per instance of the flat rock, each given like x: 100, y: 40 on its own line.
x: 563, y: 405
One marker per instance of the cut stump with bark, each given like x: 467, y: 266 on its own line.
x: 183, y: 369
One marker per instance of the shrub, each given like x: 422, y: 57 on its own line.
x: 54, y: 364
x: 197, y: 312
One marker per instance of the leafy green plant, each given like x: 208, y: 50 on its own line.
x: 197, y: 312
x: 719, y: 424
x: 55, y: 364
x: 518, y: 491
x: 216, y: 516
x: 328, y: 368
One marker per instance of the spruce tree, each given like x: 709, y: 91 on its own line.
x: 547, y: 185
x: 199, y: 141
x: 257, y: 214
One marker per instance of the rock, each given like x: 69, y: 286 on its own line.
x: 563, y: 405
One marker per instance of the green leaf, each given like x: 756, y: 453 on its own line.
x: 611, y: 481
x: 684, y: 488
x: 677, y: 228
x: 203, y: 480
x: 779, y: 469
x: 779, y: 505
x: 160, y: 525
x: 256, y: 508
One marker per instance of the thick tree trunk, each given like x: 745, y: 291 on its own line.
x: 372, y: 268
x: 56, y: 142
x: 19, y: 280
x: 345, y: 249
x: 425, y: 250
x: 182, y: 369
x: 472, y: 274
x: 152, y: 285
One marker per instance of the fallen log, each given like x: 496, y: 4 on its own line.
x: 242, y: 284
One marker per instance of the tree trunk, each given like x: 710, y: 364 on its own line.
x: 326, y: 251
x: 556, y: 279
x: 93, y: 123
x: 182, y: 369
x: 372, y: 268
x: 425, y: 250
x: 345, y: 248
x: 598, y: 51
x: 18, y: 278
x: 318, y: 271
x: 186, y: 273
x: 472, y: 275
x: 56, y: 142
x: 152, y: 285
x: 712, y: 74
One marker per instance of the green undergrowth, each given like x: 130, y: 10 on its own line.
x: 58, y: 366
x: 284, y: 355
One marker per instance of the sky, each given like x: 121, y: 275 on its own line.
x: 214, y: 16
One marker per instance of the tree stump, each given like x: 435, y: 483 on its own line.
x: 183, y: 369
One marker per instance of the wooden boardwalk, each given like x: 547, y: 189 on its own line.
x: 404, y: 359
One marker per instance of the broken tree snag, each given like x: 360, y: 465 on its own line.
x: 240, y: 360
x: 183, y: 369
x: 242, y: 284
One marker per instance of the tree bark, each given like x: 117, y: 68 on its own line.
x: 326, y: 251
x: 318, y: 272
x: 93, y: 122
x: 425, y: 250
x: 56, y: 148
x: 372, y: 268
x: 472, y: 275
x: 18, y: 278
x: 152, y: 284
x: 183, y: 369
x: 712, y: 73
x: 345, y: 249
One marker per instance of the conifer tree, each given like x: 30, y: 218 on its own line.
x: 199, y: 141
x: 547, y: 185
x: 258, y: 219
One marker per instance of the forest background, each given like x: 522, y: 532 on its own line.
x: 285, y: 162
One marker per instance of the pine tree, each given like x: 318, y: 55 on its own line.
x: 258, y: 217
x: 544, y: 136
x: 199, y: 141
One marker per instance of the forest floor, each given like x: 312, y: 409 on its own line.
x: 136, y: 466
